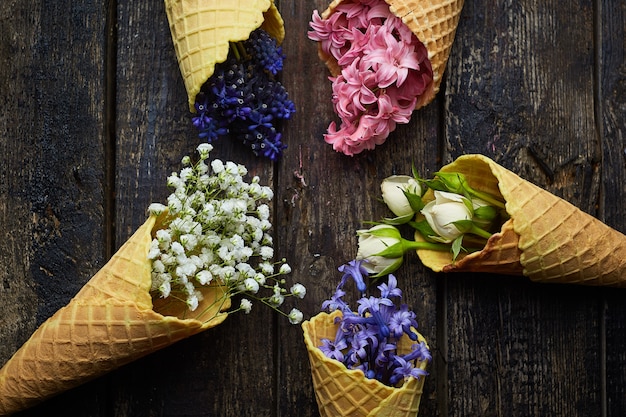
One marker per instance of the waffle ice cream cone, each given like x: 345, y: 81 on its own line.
x: 109, y: 323
x: 434, y: 22
x: 202, y: 30
x: 546, y: 239
x: 344, y: 392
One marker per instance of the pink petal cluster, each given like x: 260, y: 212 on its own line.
x: 384, y: 70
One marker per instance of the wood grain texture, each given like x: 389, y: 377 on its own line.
x: 612, y: 126
x: 88, y: 138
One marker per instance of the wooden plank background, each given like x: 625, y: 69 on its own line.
x: 94, y: 117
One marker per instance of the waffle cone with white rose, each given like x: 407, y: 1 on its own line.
x: 109, y: 323
x: 202, y: 30
x: 345, y: 392
x: 546, y: 239
x: 434, y: 22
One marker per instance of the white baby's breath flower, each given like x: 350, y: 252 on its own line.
x: 177, y: 248
x: 165, y: 288
x: 267, y: 268
x: 264, y: 212
x: 186, y: 173
x: 267, y: 193
x: 295, y: 316
x: 204, y: 149
x: 156, y: 209
x: 217, y: 166
x: 276, y: 300
x: 245, y: 305
x: 189, y: 241
x: 251, y: 286
x: 216, y: 232
x: 158, y: 266
x: 204, y: 277
x: 298, y: 290
x: 154, y: 251
x: 192, y: 302
x: 266, y: 252
x: 260, y: 278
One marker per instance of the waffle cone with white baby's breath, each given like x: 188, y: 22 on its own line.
x: 347, y: 392
x: 434, y: 22
x: 175, y: 277
x: 109, y: 323
x: 546, y: 238
x: 201, y: 32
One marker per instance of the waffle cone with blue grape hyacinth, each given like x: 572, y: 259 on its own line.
x: 202, y: 31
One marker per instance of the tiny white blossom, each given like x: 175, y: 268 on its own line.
x: 266, y: 252
x: 154, y: 251
x: 267, y: 193
x: 267, y: 268
x: 165, y: 288
x: 276, y: 300
x: 298, y: 290
x: 204, y: 277
x: 260, y: 278
x: 251, y: 286
x: 192, y: 302
x: 217, y: 166
x: 284, y: 269
x: 177, y: 248
x: 264, y: 212
x: 158, y: 266
x: 156, y: 209
x: 189, y: 241
x: 204, y: 149
x: 295, y: 316
x: 246, y: 305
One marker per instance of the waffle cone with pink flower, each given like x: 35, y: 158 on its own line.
x: 433, y: 22
x: 202, y: 30
x: 346, y: 392
x: 546, y: 238
x: 109, y: 323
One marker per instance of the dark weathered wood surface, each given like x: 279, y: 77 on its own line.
x: 94, y: 117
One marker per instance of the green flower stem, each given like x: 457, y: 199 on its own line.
x: 475, y: 230
x: 413, y: 245
x: 487, y: 197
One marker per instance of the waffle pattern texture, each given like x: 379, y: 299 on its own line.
x: 202, y: 29
x: 556, y: 241
x: 344, y: 392
x: 109, y: 323
x: 434, y: 22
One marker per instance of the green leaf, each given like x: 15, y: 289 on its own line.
x: 457, y: 247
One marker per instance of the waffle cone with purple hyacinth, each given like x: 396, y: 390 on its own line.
x: 546, y: 238
x: 370, y: 361
x: 109, y: 323
x: 346, y: 392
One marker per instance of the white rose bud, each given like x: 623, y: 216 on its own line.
x: 443, y: 211
x: 393, y: 189
x: 373, y: 241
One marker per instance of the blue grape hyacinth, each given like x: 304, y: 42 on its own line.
x: 244, y: 100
